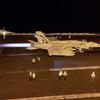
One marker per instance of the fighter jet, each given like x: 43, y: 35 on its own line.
x: 60, y: 48
x: 4, y: 33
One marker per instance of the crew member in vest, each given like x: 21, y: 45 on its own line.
x: 30, y: 76
x: 93, y: 75
x: 33, y: 60
x: 38, y: 58
x: 33, y: 76
x: 64, y: 75
x: 60, y: 75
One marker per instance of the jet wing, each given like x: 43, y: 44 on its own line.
x: 61, y: 50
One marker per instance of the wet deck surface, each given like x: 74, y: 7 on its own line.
x: 14, y: 82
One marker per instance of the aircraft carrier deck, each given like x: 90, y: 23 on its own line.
x: 15, y: 63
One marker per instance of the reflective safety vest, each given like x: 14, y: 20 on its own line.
x: 33, y: 60
x: 64, y: 73
x: 30, y: 74
x: 93, y: 75
x: 33, y: 75
x: 38, y: 58
x: 60, y: 73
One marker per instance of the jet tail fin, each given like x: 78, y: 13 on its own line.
x: 42, y: 39
x: 31, y: 41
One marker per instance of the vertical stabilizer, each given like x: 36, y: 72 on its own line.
x: 41, y: 37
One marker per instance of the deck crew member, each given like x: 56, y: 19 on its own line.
x: 30, y: 76
x: 93, y: 75
x: 33, y: 60
x: 60, y: 75
x: 33, y: 76
x: 38, y: 58
x: 64, y: 75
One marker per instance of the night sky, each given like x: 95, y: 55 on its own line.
x: 50, y: 15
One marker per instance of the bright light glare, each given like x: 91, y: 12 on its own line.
x: 15, y: 45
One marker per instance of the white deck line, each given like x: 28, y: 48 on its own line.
x: 52, y: 69
x: 62, y: 97
x: 75, y: 68
x: 22, y: 54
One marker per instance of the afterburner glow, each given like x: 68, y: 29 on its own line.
x: 15, y: 45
